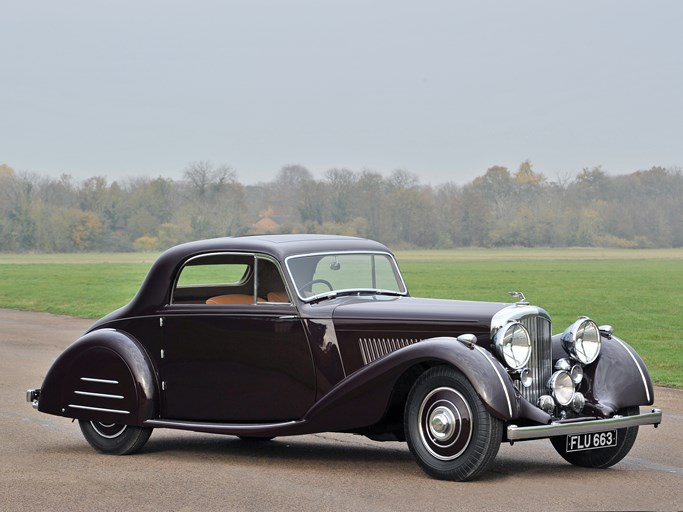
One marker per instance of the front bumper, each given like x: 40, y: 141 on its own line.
x: 586, y: 426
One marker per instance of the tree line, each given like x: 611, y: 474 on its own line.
x: 500, y: 208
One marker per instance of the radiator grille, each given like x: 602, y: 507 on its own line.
x: 374, y: 348
x: 540, y: 365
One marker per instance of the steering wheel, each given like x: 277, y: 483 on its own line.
x: 315, y: 281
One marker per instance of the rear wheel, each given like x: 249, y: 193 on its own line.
x: 449, y: 431
x: 113, y: 438
x: 601, y: 457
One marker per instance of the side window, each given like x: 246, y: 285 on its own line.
x: 225, y: 274
x: 218, y: 279
x: 269, y: 283
x: 206, y: 278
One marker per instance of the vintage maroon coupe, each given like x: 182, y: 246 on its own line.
x: 267, y: 336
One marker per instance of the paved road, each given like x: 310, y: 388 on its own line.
x: 46, y: 465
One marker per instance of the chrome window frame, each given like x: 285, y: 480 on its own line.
x: 248, y: 275
x: 397, y: 271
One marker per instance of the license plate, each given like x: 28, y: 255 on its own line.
x: 580, y: 442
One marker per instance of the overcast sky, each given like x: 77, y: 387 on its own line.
x: 442, y: 88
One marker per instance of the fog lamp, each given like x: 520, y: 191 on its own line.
x: 525, y: 377
x: 577, y: 374
x: 546, y: 403
x: 563, y: 364
x: 578, y: 402
x: 562, y: 387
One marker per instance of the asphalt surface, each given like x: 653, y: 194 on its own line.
x: 45, y: 464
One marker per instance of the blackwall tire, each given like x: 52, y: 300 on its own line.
x: 601, y: 457
x: 114, y: 439
x: 449, y: 431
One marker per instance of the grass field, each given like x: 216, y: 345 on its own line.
x: 639, y: 292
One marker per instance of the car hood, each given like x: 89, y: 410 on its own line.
x: 411, y: 309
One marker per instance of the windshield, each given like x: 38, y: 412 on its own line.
x: 329, y: 275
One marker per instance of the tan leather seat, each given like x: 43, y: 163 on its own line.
x: 234, y: 298
x: 278, y: 297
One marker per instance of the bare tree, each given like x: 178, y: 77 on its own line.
x: 205, y: 179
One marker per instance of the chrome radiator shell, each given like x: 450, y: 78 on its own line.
x: 537, y: 321
x: 541, y: 363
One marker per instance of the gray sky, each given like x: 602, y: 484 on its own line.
x: 442, y: 88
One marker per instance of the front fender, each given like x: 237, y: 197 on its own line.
x: 104, y: 376
x: 361, y: 399
x: 618, y: 378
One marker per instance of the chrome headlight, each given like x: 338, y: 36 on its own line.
x: 562, y: 387
x: 582, y: 340
x: 513, y: 345
x: 577, y: 374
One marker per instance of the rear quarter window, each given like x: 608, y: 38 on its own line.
x: 230, y: 274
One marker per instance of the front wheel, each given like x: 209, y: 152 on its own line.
x: 449, y: 431
x: 600, y: 457
x: 114, y: 439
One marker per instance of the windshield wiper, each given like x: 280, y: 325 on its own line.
x: 323, y: 296
x: 389, y: 292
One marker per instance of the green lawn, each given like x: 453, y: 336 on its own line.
x: 640, y: 293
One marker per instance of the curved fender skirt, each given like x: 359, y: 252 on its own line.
x: 104, y: 376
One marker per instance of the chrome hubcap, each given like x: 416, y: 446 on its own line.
x: 442, y: 422
x: 445, y: 423
x: 109, y: 431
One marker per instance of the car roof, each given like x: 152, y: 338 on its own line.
x: 153, y: 291
x: 279, y: 246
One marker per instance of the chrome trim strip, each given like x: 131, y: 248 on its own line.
x: 502, y: 383
x: 98, y: 395
x: 642, y: 375
x: 98, y: 409
x: 243, y: 280
x: 515, y: 433
x: 101, y: 381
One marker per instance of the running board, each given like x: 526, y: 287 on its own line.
x: 235, y: 429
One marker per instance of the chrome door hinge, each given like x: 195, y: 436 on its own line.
x: 161, y: 321
x: 163, y: 385
x: 162, y: 353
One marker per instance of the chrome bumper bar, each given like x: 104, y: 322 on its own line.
x: 32, y: 396
x: 515, y: 433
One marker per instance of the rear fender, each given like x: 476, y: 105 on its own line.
x: 104, y: 376
x: 361, y: 399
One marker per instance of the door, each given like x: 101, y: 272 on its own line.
x: 234, y: 366
x: 234, y: 361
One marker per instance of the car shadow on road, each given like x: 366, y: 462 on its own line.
x: 346, y: 454
x: 310, y: 447
x: 342, y: 451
